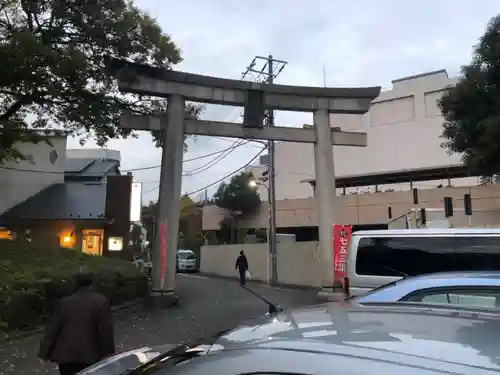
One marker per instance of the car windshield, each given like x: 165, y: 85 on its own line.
x: 186, y: 256
x: 350, y: 298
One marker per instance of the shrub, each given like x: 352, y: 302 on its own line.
x: 32, y: 280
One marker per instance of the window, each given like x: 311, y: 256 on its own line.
x: 400, y: 256
x: 470, y: 297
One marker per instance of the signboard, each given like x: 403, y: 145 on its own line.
x: 135, y: 202
x: 163, y: 254
x: 341, y: 238
x: 115, y: 243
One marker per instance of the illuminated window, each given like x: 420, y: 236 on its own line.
x: 67, y: 239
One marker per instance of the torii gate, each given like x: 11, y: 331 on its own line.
x: 255, y: 98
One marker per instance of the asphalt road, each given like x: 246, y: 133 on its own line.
x: 207, y: 306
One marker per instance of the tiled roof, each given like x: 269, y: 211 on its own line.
x: 71, y: 200
x: 80, y: 168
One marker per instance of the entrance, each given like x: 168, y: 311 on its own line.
x: 92, y: 241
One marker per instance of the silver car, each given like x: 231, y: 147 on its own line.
x: 346, y: 338
x: 479, y: 289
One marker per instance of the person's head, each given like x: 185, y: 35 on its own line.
x: 241, y: 252
x: 83, y: 278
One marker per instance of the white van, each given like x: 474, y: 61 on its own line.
x: 379, y: 257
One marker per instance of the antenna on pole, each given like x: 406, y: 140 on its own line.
x: 324, y: 75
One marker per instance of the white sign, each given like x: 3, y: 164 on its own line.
x: 115, y: 243
x: 136, y: 202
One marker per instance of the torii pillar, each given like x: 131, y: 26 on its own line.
x: 255, y: 98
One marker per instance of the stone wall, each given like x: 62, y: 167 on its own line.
x: 298, y: 263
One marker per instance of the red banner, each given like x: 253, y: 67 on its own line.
x: 341, y: 238
x: 163, y: 253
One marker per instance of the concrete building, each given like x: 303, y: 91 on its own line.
x: 404, y: 151
x: 44, y: 166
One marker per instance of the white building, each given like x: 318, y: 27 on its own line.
x: 403, y: 125
x: 43, y: 167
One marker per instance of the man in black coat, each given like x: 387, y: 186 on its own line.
x: 242, y: 266
x: 81, y: 331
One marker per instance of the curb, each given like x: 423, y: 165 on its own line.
x: 260, y: 283
x: 35, y: 331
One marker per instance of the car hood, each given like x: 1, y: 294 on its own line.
x: 437, y: 336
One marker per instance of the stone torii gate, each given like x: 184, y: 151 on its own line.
x: 255, y: 98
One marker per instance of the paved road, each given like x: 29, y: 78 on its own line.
x: 207, y: 306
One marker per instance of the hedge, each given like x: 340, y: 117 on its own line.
x: 32, y: 280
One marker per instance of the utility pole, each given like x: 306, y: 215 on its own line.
x: 266, y: 74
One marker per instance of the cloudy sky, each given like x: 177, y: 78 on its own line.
x: 357, y: 43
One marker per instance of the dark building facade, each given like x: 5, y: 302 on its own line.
x: 89, y: 212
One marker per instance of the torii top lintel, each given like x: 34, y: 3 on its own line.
x: 148, y: 80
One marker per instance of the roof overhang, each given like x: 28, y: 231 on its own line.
x: 396, y: 177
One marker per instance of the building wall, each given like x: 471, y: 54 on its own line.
x: 298, y: 263
x: 19, y: 181
x: 373, y: 208
x: 403, y: 127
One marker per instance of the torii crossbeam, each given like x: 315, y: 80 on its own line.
x: 255, y: 98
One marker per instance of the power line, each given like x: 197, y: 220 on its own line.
x: 214, y: 161
x: 125, y: 170
x: 230, y: 174
x: 221, y: 179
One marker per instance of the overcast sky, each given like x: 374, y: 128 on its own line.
x: 360, y: 43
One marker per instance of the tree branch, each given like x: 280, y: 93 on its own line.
x: 12, y: 110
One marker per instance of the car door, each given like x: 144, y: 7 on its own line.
x: 466, y: 296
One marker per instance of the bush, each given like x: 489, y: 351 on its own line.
x: 33, y: 280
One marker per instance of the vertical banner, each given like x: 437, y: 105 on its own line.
x: 163, y: 254
x: 341, y: 238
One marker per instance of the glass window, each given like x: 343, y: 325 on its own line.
x: 401, y: 256
x: 477, y: 253
x: 481, y: 297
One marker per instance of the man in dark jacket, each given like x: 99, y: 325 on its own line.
x: 242, y: 266
x: 81, y: 331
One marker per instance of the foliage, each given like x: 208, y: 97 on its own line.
x: 238, y: 197
x: 190, y: 225
x: 53, y: 72
x: 32, y: 279
x: 472, y: 108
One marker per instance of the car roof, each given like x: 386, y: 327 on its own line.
x: 399, y: 289
x: 429, y: 231
x: 429, y: 336
x: 494, y: 275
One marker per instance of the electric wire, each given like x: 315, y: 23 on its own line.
x: 125, y: 170
x: 221, y: 179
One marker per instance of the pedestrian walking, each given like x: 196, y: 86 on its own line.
x: 242, y: 267
x: 81, y: 330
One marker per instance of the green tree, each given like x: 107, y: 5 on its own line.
x: 239, y: 199
x: 471, y: 109
x: 53, y: 74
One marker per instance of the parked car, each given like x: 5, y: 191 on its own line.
x: 379, y: 257
x: 186, y: 261
x: 347, y: 337
x: 468, y: 288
